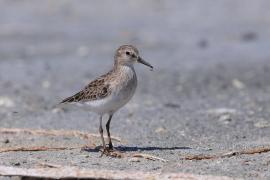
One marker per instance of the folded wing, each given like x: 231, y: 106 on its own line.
x: 97, y: 89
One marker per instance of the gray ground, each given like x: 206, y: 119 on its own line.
x: 209, y: 92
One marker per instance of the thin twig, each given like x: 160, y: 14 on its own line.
x: 149, y: 157
x: 36, y: 148
x: 228, y: 154
x: 49, y: 165
x: 199, y: 157
x: 79, y: 134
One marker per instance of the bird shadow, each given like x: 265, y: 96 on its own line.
x: 135, y: 148
x: 148, y: 148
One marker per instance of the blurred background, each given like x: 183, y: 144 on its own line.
x: 206, y: 54
x: 210, y: 87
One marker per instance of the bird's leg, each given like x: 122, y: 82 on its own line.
x: 108, y: 132
x: 108, y: 150
x: 101, y: 135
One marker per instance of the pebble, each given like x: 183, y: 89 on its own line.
x: 160, y: 130
x: 225, y: 118
x: 6, y: 102
x: 134, y: 159
x: 220, y: 111
x: 262, y: 124
x: 16, y: 164
x: 172, y: 105
x: 46, y: 84
x: 238, y: 84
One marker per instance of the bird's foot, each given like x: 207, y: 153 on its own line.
x: 111, y: 153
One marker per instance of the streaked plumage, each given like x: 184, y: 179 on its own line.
x: 95, y: 90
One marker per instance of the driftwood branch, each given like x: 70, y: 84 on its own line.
x: 229, y: 154
x: 58, y: 172
x: 74, y: 133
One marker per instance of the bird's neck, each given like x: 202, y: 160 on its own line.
x: 125, y: 70
x: 123, y: 67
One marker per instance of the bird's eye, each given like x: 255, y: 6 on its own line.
x: 127, y: 53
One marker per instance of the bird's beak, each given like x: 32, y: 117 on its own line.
x: 140, y: 60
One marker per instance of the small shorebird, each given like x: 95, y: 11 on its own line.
x: 111, y: 91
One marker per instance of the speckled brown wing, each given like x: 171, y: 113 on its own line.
x: 97, y: 89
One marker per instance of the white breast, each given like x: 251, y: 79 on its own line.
x: 123, y: 88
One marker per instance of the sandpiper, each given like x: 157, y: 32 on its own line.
x: 111, y: 91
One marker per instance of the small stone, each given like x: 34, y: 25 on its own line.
x: 224, y: 115
x: 56, y: 110
x: 225, y: 118
x: 46, y: 84
x: 172, y: 105
x: 130, y: 114
x: 156, y: 168
x: 246, y: 162
x: 134, y: 159
x: 6, y: 102
x: 262, y: 124
x: 160, y: 130
x: 238, y: 84
x: 16, y: 164
x: 220, y: 111
x: 7, y: 141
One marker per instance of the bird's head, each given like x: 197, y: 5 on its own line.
x: 128, y: 55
